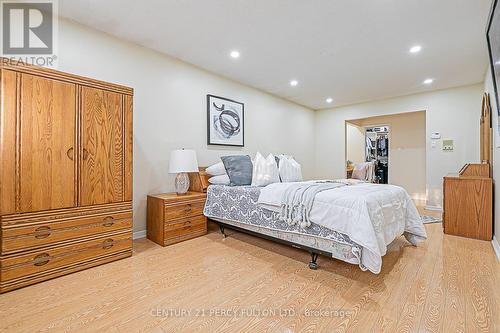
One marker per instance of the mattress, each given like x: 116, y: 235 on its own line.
x: 237, y: 205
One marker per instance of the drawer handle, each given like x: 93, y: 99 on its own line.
x: 42, y: 232
x: 107, y: 244
x: 188, y: 208
x: 108, y: 221
x: 69, y: 153
x: 41, y: 259
x: 85, y: 154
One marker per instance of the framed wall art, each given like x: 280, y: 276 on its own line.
x: 225, y: 122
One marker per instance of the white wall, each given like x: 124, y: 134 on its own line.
x: 170, y: 108
x: 355, y: 140
x: 488, y: 87
x: 453, y: 112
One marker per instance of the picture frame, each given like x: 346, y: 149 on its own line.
x: 225, y: 122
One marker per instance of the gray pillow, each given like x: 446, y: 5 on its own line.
x: 239, y: 169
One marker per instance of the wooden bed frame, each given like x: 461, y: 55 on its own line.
x: 198, y: 182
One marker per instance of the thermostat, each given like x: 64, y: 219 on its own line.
x: 435, y: 136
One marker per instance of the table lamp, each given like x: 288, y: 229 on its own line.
x: 181, y: 162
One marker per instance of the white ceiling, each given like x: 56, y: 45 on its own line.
x: 352, y: 51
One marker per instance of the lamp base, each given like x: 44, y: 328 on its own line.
x: 181, y: 183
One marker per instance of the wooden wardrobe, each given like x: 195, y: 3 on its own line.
x: 65, y: 173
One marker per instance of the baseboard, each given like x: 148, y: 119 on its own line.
x: 496, y: 247
x: 434, y: 208
x: 139, y: 234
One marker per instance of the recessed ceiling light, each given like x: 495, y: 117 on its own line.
x: 428, y: 81
x: 235, y: 54
x: 329, y: 100
x: 293, y: 83
x: 497, y: 63
x: 416, y: 49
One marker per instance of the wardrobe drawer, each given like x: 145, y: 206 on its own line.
x: 48, y: 233
x: 182, y: 210
x: 185, y: 229
x: 53, y: 259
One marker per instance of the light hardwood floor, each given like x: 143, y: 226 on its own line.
x: 211, y: 284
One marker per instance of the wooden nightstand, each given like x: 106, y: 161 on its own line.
x: 174, y: 218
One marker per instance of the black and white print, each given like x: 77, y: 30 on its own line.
x: 225, y: 121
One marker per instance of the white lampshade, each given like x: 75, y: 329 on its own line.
x: 183, y: 160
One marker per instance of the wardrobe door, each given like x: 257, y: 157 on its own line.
x: 8, y: 110
x: 47, y: 166
x: 102, y: 147
x: 128, y: 177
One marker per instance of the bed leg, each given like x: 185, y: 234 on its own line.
x: 221, y: 227
x: 314, y: 258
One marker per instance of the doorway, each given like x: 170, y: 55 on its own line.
x: 405, y: 155
x: 377, y: 151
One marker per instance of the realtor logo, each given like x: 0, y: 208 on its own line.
x: 28, y: 28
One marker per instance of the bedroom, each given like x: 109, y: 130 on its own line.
x: 300, y: 71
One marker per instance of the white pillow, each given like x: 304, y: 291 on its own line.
x: 289, y: 169
x: 216, y: 169
x: 219, y: 180
x: 359, y: 171
x: 265, y: 170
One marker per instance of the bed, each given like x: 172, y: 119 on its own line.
x: 353, y: 223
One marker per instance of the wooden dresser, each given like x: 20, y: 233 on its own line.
x: 174, y: 218
x: 65, y: 173
x: 468, y: 202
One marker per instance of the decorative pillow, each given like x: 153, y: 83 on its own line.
x: 359, y: 171
x: 265, y: 170
x: 239, y: 169
x: 289, y: 169
x: 219, y: 180
x: 216, y: 169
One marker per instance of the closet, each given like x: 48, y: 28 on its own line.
x: 65, y: 173
x: 377, y: 151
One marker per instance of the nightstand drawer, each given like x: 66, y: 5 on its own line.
x: 173, y: 212
x: 184, y: 223
x: 185, y: 229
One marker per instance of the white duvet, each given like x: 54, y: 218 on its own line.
x: 372, y: 215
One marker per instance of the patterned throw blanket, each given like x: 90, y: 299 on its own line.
x: 298, y: 199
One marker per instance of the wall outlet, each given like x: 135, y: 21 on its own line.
x: 448, y: 145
